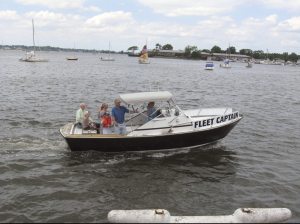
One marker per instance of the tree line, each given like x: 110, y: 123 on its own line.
x: 195, y: 53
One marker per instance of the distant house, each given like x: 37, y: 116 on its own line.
x: 168, y: 53
x: 222, y: 56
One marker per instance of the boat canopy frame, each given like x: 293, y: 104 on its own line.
x: 164, y: 102
x: 141, y: 97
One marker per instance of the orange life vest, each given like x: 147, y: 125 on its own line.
x: 106, y: 121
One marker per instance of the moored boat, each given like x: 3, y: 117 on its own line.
x: 31, y: 56
x: 225, y: 64
x: 72, y: 58
x: 249, y: 65
x: 209, y: 65
x: 171, y: 128
x: 109, y: 58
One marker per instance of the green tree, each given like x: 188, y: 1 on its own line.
x: 158, y: 46
x: 206, y: 50
x: 248, y: 52
x: 133, y: 48
x: 196, y: 54
x: 231, y: 50
x: 189, y: 50
x: 293, y: 57
x: 216, y: 49
x: 167, y: 47
x: 285, y: 56
x: 258, y: 54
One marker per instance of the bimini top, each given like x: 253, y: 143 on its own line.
x: 134, y: 98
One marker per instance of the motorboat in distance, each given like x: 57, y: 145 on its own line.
x: 209, y: 65
x: 72, y: 58
x: 170, y: 128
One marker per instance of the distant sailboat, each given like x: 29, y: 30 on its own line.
x: 109, y: 58
x: 72, y: 58
x: 31, y: 56
x: 143, y: 59
x: 226, y: 62
x: 249, y: 64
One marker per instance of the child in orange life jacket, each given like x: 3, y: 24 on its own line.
x: 105, y: 120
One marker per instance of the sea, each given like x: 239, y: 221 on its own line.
x: 257, y: 165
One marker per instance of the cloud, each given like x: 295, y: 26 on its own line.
x: 114, y: 21
x: 92, y: 9
x: 190, y: 7
x: 52, y: 20
x: 8, y: 15
x: 292, y: 5
x: 292, y: 25
x: 53, y: 4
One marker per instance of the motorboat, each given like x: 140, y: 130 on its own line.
x: 171, y: 128
x: 72, y: 58
x: 209, y: 65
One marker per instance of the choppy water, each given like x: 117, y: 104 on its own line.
x: 256, y: 165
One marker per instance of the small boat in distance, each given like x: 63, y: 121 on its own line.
x: 226, y: 61
x: 143, y: 59
x: 109, y: 58
x: 225, y: 64
x: 249, y: 65
x: 209, y: 65
x: 72, y: 58
x: 31, y: 56
x: 169, y: 128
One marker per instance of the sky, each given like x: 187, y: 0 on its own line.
x: 267, y: 25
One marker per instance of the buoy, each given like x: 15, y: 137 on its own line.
x: 241, y: 215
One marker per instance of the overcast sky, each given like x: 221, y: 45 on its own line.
x: 272, y: 25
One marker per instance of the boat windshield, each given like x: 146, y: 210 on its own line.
x: 160, y: 109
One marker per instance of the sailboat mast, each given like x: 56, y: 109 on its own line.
x: 33, y: 35
x: 109, y: 48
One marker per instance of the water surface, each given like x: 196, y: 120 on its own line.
x: 41, y: 180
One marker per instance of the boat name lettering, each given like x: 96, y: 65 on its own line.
x: 204, y: 123
x: 227, y: 117
x: 217, y: 120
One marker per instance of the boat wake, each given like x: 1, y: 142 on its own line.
x: 30, y: 143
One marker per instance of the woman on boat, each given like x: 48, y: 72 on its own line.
x: 87, y: 122
x: 105, y: 119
